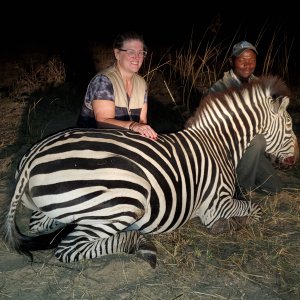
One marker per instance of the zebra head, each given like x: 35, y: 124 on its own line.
x: 282, y: 144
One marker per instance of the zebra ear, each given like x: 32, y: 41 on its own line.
x: 280, y: 104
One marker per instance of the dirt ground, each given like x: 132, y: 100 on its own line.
x: 191, y: 264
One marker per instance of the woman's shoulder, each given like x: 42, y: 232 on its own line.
x: 100, y: 82
x: 100, y: 78
x: 109, y: 70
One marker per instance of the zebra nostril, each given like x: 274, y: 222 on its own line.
x: 289, y: 160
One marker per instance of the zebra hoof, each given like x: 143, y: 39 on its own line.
x: 231, y: 224
x: 147, y: 251
x: 220, y: 226
x: 148, y: 257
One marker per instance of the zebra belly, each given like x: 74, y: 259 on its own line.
x: 90, y: 197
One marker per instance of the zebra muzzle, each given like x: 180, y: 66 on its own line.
x: 288, y: 162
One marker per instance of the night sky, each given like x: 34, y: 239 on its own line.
x: 70, y: 26
x: 51, y: 22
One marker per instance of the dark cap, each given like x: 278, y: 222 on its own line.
x: 240, y: 47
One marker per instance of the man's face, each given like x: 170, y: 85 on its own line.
x: 244, y: 65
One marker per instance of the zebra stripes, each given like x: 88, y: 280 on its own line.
x: 106, y: 189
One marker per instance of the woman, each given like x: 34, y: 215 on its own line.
x: 117, y: 96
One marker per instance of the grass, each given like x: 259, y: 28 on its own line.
x: 38, y: 77
x: 266, y: 253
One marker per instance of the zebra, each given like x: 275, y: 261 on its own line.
x: 96, y: 192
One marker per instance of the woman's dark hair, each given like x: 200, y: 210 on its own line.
x: 126, y: 36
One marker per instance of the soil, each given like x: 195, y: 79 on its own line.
x: 194, y: 273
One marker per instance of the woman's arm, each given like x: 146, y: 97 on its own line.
x: 104, y: 111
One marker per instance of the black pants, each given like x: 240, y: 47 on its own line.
x: 255, y: 170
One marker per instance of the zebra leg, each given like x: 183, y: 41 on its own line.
x: 39, y: 222
x: 234, y: 223
x: 79, y: 244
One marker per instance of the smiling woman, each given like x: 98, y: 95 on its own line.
x: 117, y: 96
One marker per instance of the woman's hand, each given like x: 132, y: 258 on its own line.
x: 143, y: 129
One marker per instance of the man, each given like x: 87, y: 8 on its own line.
x: 243, y: 63
x: 255, y: 171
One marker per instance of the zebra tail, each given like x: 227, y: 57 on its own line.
x: 24, y: 244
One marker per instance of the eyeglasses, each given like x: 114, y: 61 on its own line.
x: 132, y: 53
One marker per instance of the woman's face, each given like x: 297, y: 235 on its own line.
x: 131, y: 56
x: 244, y: 65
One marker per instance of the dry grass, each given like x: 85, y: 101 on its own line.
x: 37, y: 78
x: 266, y: 253
x: 198, y: 64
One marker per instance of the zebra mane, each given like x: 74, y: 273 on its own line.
x: 275, y: 84
x: 271, y: 85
